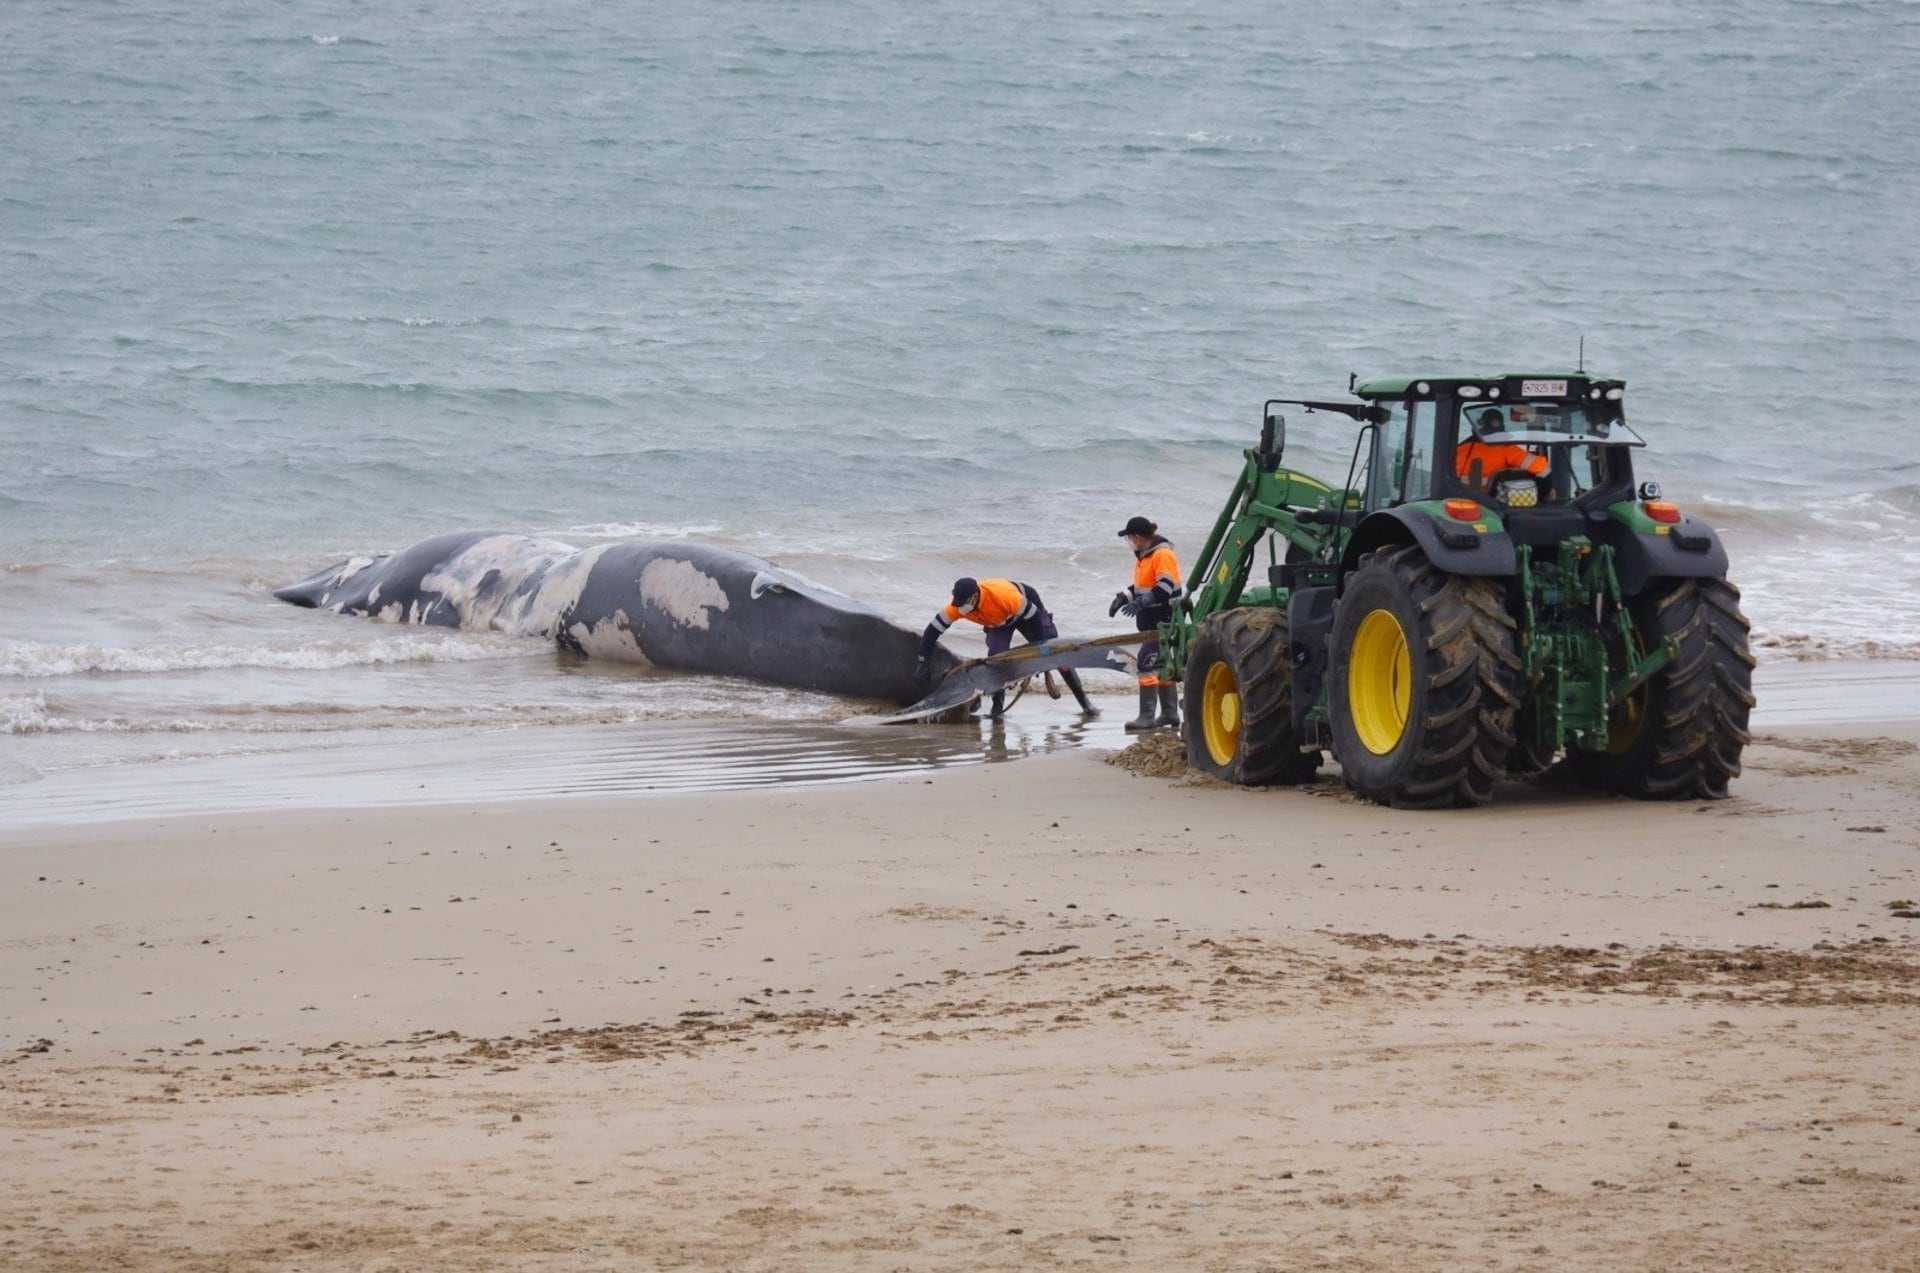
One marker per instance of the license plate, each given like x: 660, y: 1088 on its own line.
x: 1543, y: 388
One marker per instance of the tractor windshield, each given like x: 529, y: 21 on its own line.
x: 1539, y: 452
x: 1551, y: 423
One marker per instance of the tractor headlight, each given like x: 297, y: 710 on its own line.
x: 1493, y: 391
x: 1423, y: 388
x: 1468, y: 391
x: 1615, y: 394
x: 1594, y: 394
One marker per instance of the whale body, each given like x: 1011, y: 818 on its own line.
x: 688, y: 606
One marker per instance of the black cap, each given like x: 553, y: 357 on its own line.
x: 964, y: 588
x: 1138, y: 526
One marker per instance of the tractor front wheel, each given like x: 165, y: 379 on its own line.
x: 1680, y: 735
x: 1239, y: 700
x: 1423, y: 683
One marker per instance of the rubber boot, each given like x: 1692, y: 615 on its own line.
x: 1072, y: 678
x: 1144, y: 721
x: 999, y: 705
x: 1169, y: 706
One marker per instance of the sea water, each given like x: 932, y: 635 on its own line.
x: 888, y: 293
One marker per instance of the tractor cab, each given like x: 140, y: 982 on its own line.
x: 1515, y: 442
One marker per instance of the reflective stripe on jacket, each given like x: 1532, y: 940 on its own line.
x: 1156, y: 574
x: 1002, y: 601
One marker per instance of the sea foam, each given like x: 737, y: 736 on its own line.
x: 35, y: 660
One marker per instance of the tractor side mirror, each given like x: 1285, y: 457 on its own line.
x: 1273, y: 441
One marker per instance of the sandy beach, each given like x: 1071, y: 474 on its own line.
x: 477, y: 479
x: 1062, y: 1012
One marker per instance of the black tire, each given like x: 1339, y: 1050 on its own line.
x: 1679, y: 737
x: 1424, y: 716
x: 1238, y: 696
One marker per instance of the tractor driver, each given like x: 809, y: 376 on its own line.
x: 1477, y: 461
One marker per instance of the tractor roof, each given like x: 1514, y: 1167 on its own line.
x: 1403, y: 386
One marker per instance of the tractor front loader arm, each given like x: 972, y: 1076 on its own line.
x: 1268, y: 504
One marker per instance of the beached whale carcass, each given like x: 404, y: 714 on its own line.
x: 693, y: 607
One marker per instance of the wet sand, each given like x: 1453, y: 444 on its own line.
x: 389, y: 768
x: 1056, y: 1013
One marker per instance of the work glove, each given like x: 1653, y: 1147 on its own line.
x: 1123, y: 603
x: 922, y: 670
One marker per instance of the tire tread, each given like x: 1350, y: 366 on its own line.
x: 1254, y: 641
x: 1469, y: 660
x: 1698, y: 705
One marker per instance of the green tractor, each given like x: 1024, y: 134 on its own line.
x: 1490, y: 591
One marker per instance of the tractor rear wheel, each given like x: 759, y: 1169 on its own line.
x: 1423, y: 683
x: 1680, y: 735
x: 1239, y: 700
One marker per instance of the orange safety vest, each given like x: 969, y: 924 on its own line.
x: 1001, y: 602
x: 1157, y: 563
x: 1495, y: 457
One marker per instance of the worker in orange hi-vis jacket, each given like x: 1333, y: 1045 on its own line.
x: 1478, y: 461
x: 1156, y: 586
x: 1003, y: 608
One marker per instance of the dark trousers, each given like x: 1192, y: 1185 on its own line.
x: 1036, y: 627
x: 1149, y: 619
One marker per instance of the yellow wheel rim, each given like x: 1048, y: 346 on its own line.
x: 1379, y: 682
x: 1623, y: 723
x: 1629, y: 715
x: 1220, y: 714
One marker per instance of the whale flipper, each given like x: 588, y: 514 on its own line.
x: 979, y: 677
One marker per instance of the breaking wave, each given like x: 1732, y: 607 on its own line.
x: 37, y: 660
x: 1808, y: 647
